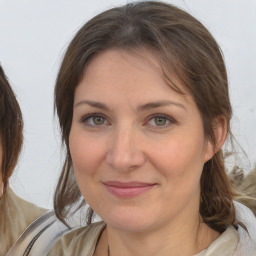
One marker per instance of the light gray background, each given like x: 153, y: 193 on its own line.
x: 33, y: 37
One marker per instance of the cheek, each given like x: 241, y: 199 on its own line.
x: 181, y: 153
x: 86, y: 160
x: 86, y: 154
x: 181, y: 162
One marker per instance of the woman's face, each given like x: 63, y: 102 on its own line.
x: 137, y: 146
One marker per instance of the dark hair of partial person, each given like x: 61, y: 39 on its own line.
x: 11, y: 127
x: 189, y: 53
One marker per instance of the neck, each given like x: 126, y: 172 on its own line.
x: 188, y: 238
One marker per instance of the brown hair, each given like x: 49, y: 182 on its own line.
x: 189, y: 51
x: 244, y: 187
x: 11, y: 126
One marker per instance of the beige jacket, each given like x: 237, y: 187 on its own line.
x: 15, y: 215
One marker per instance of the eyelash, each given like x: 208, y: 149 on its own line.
x: 168, y: 119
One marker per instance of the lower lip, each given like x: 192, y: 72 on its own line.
x: 128, y: 192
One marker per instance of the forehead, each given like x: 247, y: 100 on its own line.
x: 124, y: 82
x: 137, y: 69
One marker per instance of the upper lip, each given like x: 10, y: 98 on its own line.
x: 130, y: 184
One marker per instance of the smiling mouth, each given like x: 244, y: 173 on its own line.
x: 127, y: 189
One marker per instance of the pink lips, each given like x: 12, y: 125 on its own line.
x: 127, y: 189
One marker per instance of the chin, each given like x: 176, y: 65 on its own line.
x: 129, y: 220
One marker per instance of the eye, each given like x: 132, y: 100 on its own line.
x: 94, y: 120
x: 98, y: 120
x: 160, y: 120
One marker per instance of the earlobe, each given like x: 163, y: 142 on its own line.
x: 220, y: 133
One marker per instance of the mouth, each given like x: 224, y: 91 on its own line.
x: 128, y: 189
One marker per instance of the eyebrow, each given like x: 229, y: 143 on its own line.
x: 94, y: 104
x: 147, y: 106
x: 158, y: 104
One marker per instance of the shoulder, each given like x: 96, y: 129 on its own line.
x: 87, y: 233
x: 80, y: 241
x: 26, y: 211
x: 39, y: 236
x: 16, y: 215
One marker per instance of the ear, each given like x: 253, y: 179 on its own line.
x: 219, y: 126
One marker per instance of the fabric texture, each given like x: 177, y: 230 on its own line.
x: 232, y: 242
x: 247, y: 240
x: 39, y: 236
x: 15, y: 215
x: 81, y: 241
x: 224, y: 245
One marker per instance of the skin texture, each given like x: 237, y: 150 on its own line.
x: 129, y: 125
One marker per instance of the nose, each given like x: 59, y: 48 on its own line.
x: 125, y: 152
